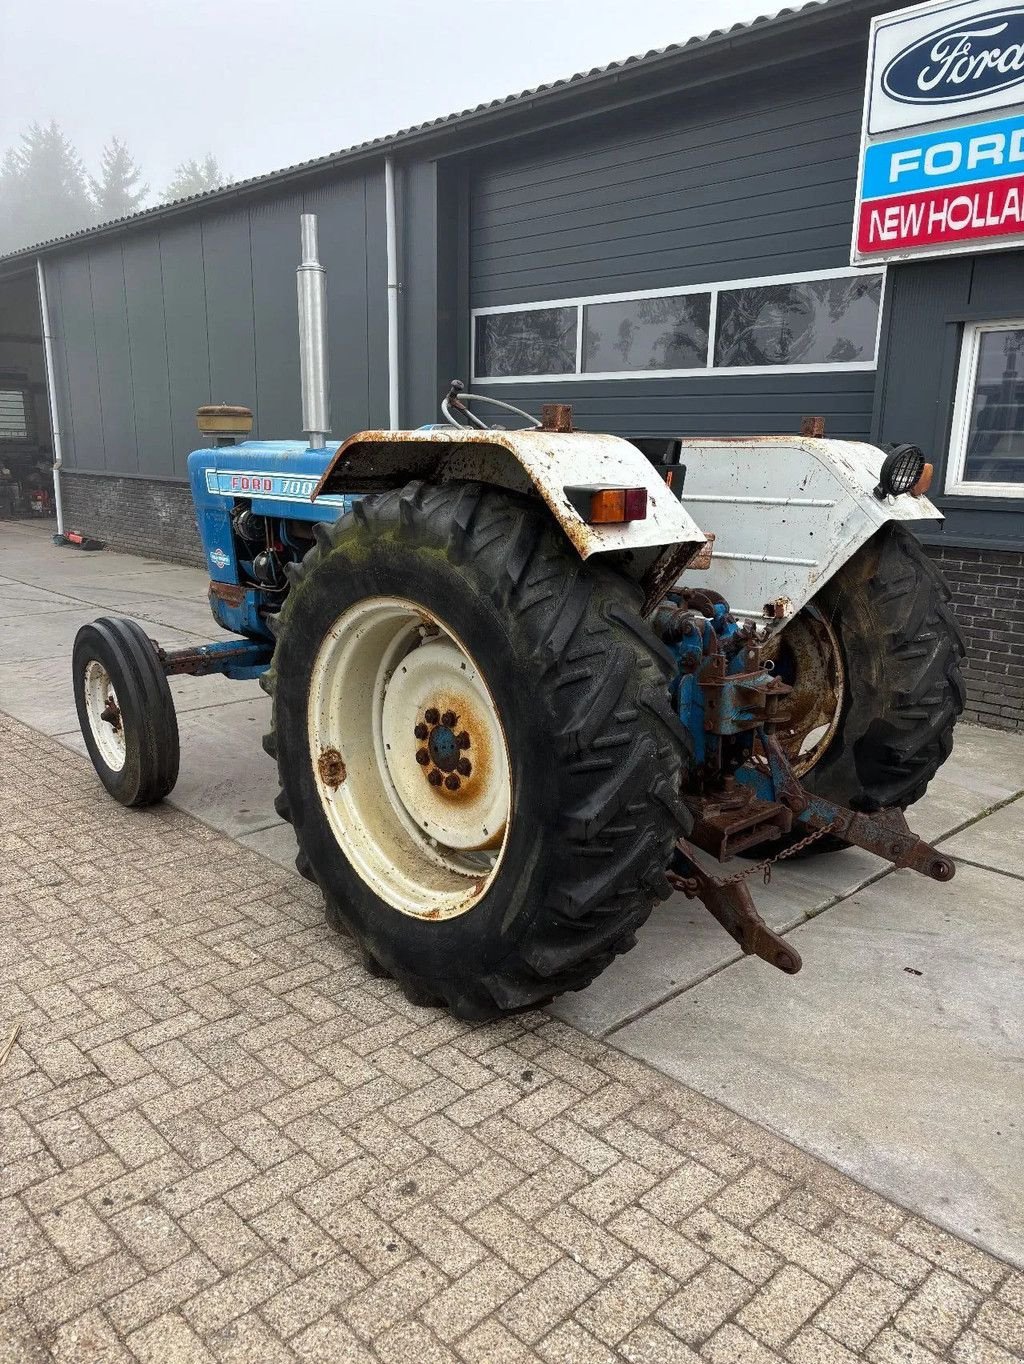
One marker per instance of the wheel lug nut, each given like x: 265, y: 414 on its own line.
x: 452, y: 782
x: 422, y: 757
x: 449, y: 718
x: 421, y: 731
x: 464, y: 767
x: 435, y: 777
x: 431, y: 716
x: 462, y: 739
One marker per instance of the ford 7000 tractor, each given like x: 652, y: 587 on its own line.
x: 519, y: 695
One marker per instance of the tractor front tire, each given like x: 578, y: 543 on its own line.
x: 475, y: 746
x: 125, y: 710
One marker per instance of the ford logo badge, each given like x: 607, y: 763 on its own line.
x: 974, y: 57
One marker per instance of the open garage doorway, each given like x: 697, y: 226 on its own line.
x: 26, y: 447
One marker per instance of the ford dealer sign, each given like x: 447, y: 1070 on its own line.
x: 953, y: 177
x: 965, y: 61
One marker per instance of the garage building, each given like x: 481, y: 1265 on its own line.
x: 664, y: 243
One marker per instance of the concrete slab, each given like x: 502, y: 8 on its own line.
x: 895, y: 1055
x: 680, y: 945
x: 226, y: 779
x: 40, y: 694
x: 277, y: 843
x: 997, y: 841
x: 28, y: 639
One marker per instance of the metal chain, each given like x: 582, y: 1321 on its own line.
x: 690, y: 885
x: 765, y: 867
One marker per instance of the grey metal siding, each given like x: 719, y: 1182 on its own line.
x: 752, y: 179
x: 152, y: 324
x: 928, y: 304
x: 745, y: 405
x: 182, y: 303
x: 150, y: 395
x: 747, y: 180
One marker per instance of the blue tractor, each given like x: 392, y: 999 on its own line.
x: 510, y: 714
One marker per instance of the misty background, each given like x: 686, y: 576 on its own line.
x: 110, y: 106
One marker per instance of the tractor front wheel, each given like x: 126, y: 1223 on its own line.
x: 475, y: 747
x: 125, y: 710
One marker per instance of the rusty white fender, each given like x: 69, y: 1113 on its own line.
x: 548, y: 461
x: 787, y: 513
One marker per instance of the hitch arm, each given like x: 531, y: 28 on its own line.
x: 885, y: 833
x: 731, y: 904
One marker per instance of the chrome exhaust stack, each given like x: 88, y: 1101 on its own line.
x: 312, y: 290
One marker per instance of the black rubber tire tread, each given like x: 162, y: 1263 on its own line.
x: 602, y: 760
x: 889, y: 607
x: 152, y: 752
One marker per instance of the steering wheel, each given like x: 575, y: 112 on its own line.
x: 457, y: 400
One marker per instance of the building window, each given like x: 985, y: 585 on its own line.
x: 820, y: 322
x: 13, y: 414
x: 646, y: 333
x: 986, y: 457
x: 526, y: 341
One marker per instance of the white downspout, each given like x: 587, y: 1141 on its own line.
x: 51, y: 398
x: 391, y: 226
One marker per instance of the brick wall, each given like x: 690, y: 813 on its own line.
x: 146, y: 516
x: 988, y: 596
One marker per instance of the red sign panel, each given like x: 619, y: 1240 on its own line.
x: 956, y: 213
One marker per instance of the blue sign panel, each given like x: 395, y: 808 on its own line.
x: 956, y: 156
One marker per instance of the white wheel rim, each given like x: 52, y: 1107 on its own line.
x: 409, y: 757
x: 104, y: 712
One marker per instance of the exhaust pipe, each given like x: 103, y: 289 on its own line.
x: 312, y: 289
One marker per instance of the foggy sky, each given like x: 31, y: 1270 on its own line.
x: 265, y: 83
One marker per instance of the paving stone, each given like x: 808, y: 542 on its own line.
x: 938, y: 1311
x: 479, y: 1292
x: 778, y: 1310
x: 554, y: 1294
x: 701, y: 1305
x: 223, y: 1142
x: 169, y: 1340
x: 863, y: 1306
x: 627, y: 1300
x: 652, y: 1344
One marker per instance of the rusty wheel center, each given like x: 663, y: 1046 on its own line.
x: 808, y: 658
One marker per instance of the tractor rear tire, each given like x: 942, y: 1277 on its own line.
x: 904, y: 690
x: 125, y: 710
x: 570, y: 731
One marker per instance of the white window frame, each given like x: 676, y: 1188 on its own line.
x: 714, y: 289
x: 966, y: 381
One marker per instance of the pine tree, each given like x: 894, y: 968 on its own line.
x: 195, y: 177
x: 43, y: 189
x: 118, y: 191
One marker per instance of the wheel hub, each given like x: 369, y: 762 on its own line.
x: 104, y: 714
x: 437, y: 712
x: 420, y: 795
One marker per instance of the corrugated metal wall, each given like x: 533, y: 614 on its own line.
x: 751, y: 180
x: 153, y: 323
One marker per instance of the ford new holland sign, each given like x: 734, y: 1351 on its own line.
x: 952, y: 180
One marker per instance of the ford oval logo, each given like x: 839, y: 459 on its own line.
x: 975, y: 57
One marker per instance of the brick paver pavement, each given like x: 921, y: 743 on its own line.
x: 221, y: 1140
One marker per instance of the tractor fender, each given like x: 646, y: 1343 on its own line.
x: 788, y: 512
x: 546, y: 461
